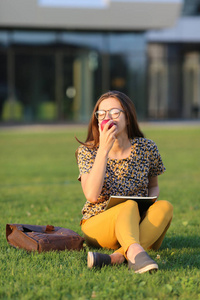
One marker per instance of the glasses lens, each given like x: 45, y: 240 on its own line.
x: 100, y: 114
x: 115, y: 113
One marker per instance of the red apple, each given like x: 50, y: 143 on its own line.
x: 103, y: 123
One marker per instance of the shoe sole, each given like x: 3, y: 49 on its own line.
x: 151, y: 268
x: 90, y: 260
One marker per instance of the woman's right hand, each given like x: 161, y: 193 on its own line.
x: 107, y: 137
x: 92, y: 183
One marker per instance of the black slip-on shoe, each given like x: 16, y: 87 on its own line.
x: 95, y: 259
x: 143, y: 263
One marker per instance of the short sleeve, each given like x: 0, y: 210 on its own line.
x: 156, y: 164
x: 85, y: 159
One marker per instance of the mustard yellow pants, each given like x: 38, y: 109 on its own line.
x: 120, y: 226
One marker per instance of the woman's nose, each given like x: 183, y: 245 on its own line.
x: 108, y: 116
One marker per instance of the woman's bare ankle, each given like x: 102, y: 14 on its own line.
x: 117, y: 258
x: 133, y: 250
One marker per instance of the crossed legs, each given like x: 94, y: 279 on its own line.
x: 121, y: 229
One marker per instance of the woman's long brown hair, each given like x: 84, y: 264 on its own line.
x: 133, y: 129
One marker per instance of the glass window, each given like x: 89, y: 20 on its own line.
x: 3, y: 83
x: 191, y: 8
x: 35, y: 85
x: 60, y: 75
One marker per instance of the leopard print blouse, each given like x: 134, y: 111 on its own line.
x: 123, y: 177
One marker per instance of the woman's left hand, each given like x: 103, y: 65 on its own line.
x: 153, y: 188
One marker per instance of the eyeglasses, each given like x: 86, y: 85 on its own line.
x: 113, y: 113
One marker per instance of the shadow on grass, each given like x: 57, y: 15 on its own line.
x: 180, y: 252
x: 180, y: 242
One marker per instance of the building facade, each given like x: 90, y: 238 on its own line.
x: 58, y: 57
x: 174, y: 67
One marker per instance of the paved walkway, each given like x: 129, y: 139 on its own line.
x: 57, y: 127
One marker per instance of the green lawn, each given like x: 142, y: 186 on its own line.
x: 38, y: 185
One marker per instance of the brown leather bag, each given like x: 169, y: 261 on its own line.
x: 42, y: 238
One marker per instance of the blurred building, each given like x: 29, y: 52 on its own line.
x: 174, y: 67
x: 58, y: 56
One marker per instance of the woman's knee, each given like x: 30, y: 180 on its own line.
x: 165, y: 208
x: 166, y: 205
x: 127, y: 211
x: 131, y: 204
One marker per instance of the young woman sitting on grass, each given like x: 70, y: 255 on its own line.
x: 117, y: 160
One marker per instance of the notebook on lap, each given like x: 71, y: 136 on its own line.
x: 143, y: 202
